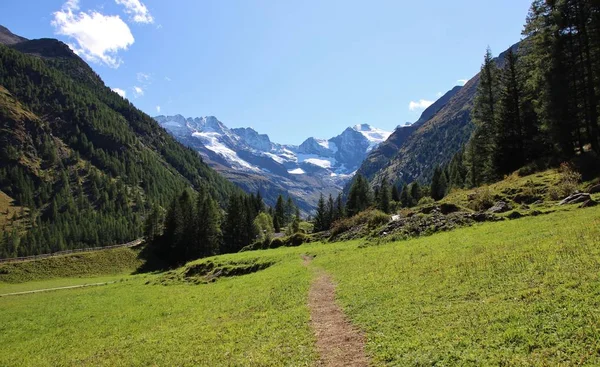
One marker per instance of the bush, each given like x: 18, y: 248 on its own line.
x: 567, y: 184
x: 297, y: 239
x: 481, y: 199
x: 276, y: 242
x: 427, y: 200
x: 373, y: 218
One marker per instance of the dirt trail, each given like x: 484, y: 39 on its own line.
x: 338, y: 342
x: 55, y: 289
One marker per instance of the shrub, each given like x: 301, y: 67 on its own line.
x: 372, y: 218
x: 297, y: 239
x: 567, y: 184
x: 427, y: 200
x: 481, y: 199
x: 276, y: 242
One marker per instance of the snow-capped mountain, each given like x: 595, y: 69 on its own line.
x: 254, y: 162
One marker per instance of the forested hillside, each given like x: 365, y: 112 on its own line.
x: 86, y: 165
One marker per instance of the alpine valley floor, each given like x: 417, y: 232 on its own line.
x: 522, y: 292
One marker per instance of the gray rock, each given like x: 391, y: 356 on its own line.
x: 577, y: 198
x: 499, y: 207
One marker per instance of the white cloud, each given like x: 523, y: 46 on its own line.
x: 462, y: 81
x: 138, y: 12
x: 439, y: 94
x: 138, y: 91
x: 419, y: 105
x: 98, y: 37
x: 143, y: 78
x: 167, y: 78
x: 158, y: 109
x: 120, y: 92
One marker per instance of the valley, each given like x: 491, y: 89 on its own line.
x: 523, y: 288
x: 137, y: 229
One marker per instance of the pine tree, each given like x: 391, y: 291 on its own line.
x: 479, y: 149
x: 359, y: 197
x: 321, y: 215
x: 415, y: 193
x: 384, y: 197
x: 439, y: 184
x: 395, y: 193
x: 280, y: 211
x: 405, y: 199
x: 509, y: 152
x: 339, y: 208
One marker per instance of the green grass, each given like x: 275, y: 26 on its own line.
x: 259, y: 319
x: 82, y: 265
x: 515, y: 293
x: 523, y: 292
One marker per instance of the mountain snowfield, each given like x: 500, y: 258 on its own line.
x: 316, y: 165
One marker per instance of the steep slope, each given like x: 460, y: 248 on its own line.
x: 412, y: 152
x: 254, y: 162
x: 8, y: 38
x: 381, y: 156
x: 84, y: 162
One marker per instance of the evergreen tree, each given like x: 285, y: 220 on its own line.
x: 439, y: 184
x: 405, y: 198
x: 415, y: 193
x: 479, y: 149
x: 280, y: 211
x: 395, y: 193
x: 339, y: 208
x: 208, y: 227
x: 384, y: 197
x: 359, y: 197
x: 330, y: 214
x: 321, y: 215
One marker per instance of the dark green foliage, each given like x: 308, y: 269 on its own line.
x: 415, y: 192
x: 405, y: 198
x: 480, y: 147
x: 340, y: 210
x: 384, y: 197
x: 280, y: 212
x: 321, y: 220
x: 104, y: 166
x: 359, y: 197
x: 395, y: 193
x: 439, y: 184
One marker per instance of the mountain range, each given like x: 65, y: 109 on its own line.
x: 255, y: 163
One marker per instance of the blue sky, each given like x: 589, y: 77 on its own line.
x: 292, y: 69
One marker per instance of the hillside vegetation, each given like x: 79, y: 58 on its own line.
x: 87, y: 264
x: 86, y: 163
x: 518, y: 292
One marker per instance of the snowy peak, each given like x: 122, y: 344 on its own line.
x: 247, y: 150
x: 374, y: 135
x: 254, y: 139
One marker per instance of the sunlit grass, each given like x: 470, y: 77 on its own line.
x: 520, y: 292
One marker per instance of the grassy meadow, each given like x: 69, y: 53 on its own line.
x: 523, y: 292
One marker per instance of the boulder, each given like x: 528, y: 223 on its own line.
x: 499, y: 207
x: 449, y: 208
x: 580, y: 197
x: 514, y: 215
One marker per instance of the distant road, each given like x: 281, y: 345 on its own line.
x: 55, y: 289
x: 74, y: 251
